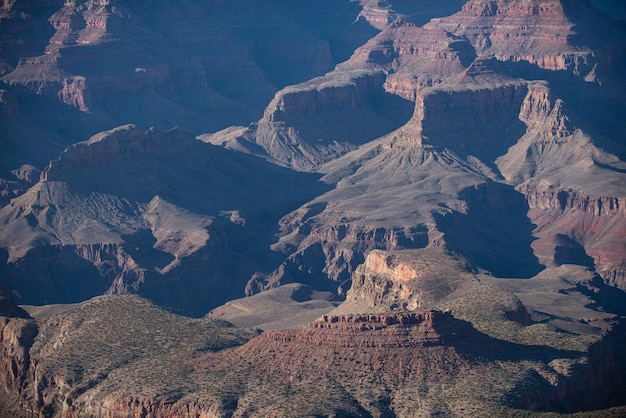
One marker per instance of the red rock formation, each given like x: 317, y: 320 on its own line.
x: 17, y: 335
x: 413, y: 57
x: 417, y: 321
x: 541, y: 111
x: 566, y: 200
x: 593, y: 224
x: 407, y: 279
x: 410, y: 329
x: 361, y: 356
x: 576, y: 221
x: 331, y: 251
x: 536, y: 32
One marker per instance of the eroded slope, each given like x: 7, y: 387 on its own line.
x: 133, y: 211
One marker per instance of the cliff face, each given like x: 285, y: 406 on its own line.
x: 520, y: 125
x: 543, y: 112
x: 406, y: 279
x: 333, y: 251
x: 504, y: 29
x: 577, y: 220
x: 25, y: 30
x: 481, y: 122
x: 314, y: 97
x: 16, y: 339
x: 17, y: 335
x: 399, y: 61
x: 571, y: 200
x: 414, y: 57
x: 314, y: 122
x: 526, y: 39
x: 576, y: 228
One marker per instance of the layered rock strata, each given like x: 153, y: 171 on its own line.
x: 528, y: 134
x: 424, y: 320
x: 407, y: 279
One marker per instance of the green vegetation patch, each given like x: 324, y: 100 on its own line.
x: 125, y: 342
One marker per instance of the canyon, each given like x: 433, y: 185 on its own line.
x: 403, y: 196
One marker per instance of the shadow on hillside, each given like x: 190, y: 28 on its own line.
x: 533, y: 390
x: 605, y: 298
x: 376, y: 114
x: 596, y: 107
x: 476, y: 346
x: 189, y: 173
x: 495, y: 233
x: 569, y: 251
x: 140, y: 246
x: 113, y: 182
x: 53, y: 274
x: 602, y: 371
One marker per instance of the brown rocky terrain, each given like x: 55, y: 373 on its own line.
x: 54, y: 359
x: 120, y: 355
x: 454, y: 170
x: 73, y: 69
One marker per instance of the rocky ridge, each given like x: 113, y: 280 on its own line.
x: 359, y: 361
x: 93, y: 66
x: 547, y: 333
x: 51, y: 359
